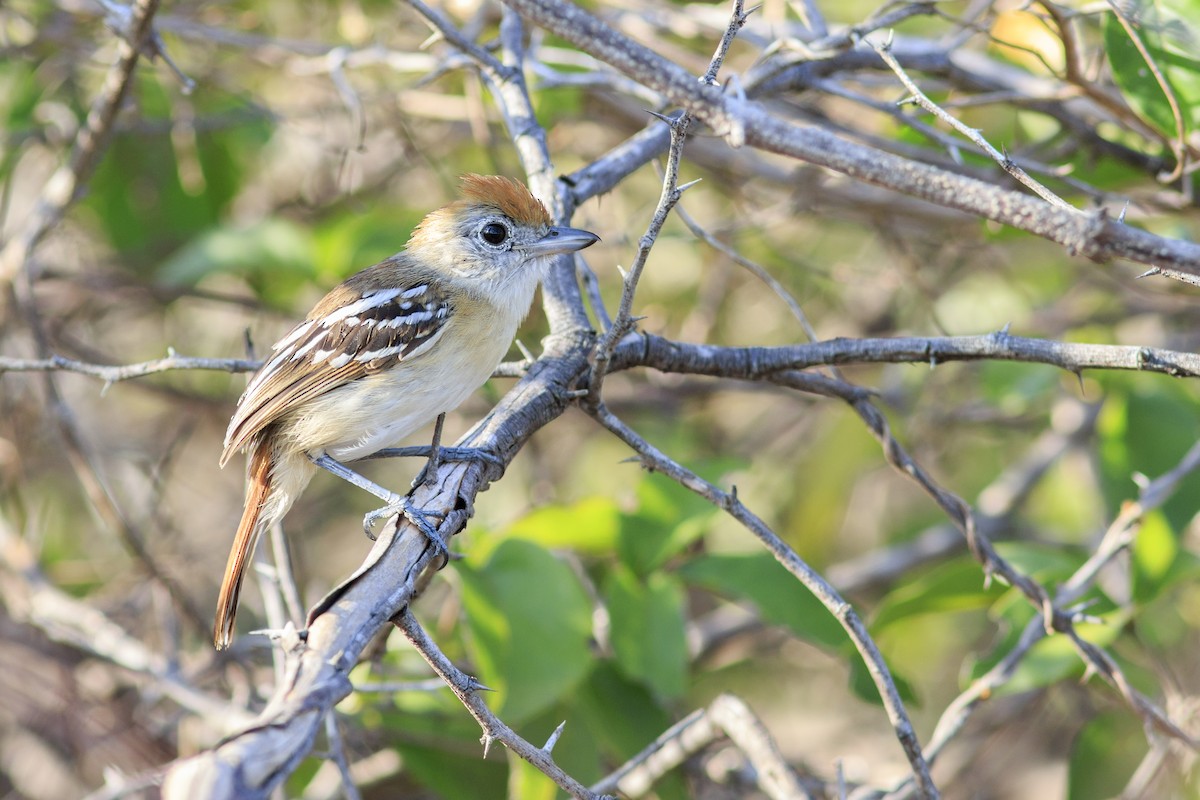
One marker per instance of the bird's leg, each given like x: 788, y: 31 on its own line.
x: 396, y: 504
x: 435, y: 453
x: 438, y: 454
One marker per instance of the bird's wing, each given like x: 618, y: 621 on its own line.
x: 362, y: 334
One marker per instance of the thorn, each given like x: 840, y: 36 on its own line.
x: 553, y: 740
x: 751, y: 10
x: 474, y: 685
x: 891, y: 37
x: 662, y: 117
x: 1124, y: 210
x: 734, y: 83
x: 528, y: 356
x: 433, y: 39
x: 486, y: 740
x: 1140, y: 480
x: 631, y: 460
x: 288, y: 638
x: 688, y: 185
x: 1149, y: 272
x: 1079, y: 377
x: 624, y: 274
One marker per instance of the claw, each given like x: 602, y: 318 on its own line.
x: 414, y: 515
x: 456, y: 454
x: 371, y: 517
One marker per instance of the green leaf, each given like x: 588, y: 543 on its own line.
x: 623, y: 714
x: 648, y: 636
x: 1042, y: 562
x: 956, y: 586
x: 527, y: 781
x: 1167, y: 32
x: 153, y: 191
x: 863, y: 685
x: 587, y: 527
x: 1147, y: 431
x: 625, y: 718
x: 1054, y: 659
x: 530, y: 626
x: 1155, y: 551
x: 274, y: 252
x: 1104, y: 755
x: 779, y: 596
x: 667, y: 520
x: 347, y: 242
x: 453, y: 776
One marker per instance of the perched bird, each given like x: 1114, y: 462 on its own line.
x: 386, y: 352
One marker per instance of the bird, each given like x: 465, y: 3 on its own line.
x: 386, y: 352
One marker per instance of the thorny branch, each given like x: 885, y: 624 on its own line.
x: 1006, y: 163
x: 741, y: 121
x: 725, y: 716
x: 624, y: 322
x: 1119, y: 536
x: 467, y: 689
x: 317, y: 672
x: 653, y: 459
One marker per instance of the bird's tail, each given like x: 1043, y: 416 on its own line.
x: 252, y: 524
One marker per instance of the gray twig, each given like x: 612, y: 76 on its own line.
x: 466, y: 689
x: 727, y: 715
x: 1006, y: 163
x: 656, y: 460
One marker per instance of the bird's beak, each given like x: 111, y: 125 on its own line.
x: 562, y: 240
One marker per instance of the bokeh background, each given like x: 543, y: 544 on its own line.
x: 590, y: 591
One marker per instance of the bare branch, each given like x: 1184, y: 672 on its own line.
x: 1094, y: 236
x: 754, y: 363
x: 116, y: 374
x: 654, y: 459
x: 727, y: 715
x: 1006, y: 163
x: 466, y: 689
x: 623, y: 323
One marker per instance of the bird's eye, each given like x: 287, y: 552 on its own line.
x: 494, y: 233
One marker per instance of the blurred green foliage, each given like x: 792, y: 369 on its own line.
x: 589, y: 592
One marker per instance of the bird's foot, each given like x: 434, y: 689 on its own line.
x: 454, y: 454
x: 418, y: 517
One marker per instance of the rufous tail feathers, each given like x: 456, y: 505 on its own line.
x: 243, y: 543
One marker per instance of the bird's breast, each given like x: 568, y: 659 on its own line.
x: 384, y: 408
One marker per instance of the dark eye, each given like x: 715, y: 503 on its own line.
x: 494, y: 233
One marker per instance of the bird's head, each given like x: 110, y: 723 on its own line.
x: 498, y: 235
